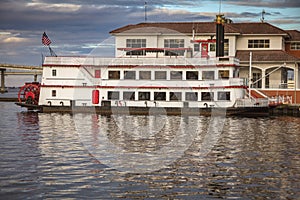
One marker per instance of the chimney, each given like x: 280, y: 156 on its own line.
x: 219, y: 36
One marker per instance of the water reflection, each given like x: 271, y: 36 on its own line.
x: 136, y: 143
x: 43, y: 157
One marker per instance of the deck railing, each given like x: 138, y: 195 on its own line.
x: 252, y: 102
x: 143, y: 61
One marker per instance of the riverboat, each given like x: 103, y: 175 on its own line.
x: 135, y: 84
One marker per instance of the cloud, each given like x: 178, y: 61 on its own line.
x: 15, y: 40
x: 266, y: 3
x: 77, y: 26
x: 8, y: 37
x: 62, y: 7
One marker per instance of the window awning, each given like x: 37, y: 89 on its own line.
x: 204, y: 41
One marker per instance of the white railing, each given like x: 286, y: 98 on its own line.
x: 138, y: 61
x: 252, y: 102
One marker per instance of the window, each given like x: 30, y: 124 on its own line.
x: 224, y: 96
x: 226, y: 47
x: 174, y: 53
x: 197, y: 47
x: 255, y: 77
x: 112, y: 95
x: 114, y: 75
x: 174, y: 43
x: 159, y: 96
x: 136, y: 53
x: 160, y: 75
x: 144, y: 95
x: 223, y: 74
x: 175, y: 96
x: 191, y: 75
x: 212, y: 47
x: 136, y: 43
x: 53, y: 93
x: 145, y: 75
x: 53, y: 72
x: 258, y: 43
x: 290, y: 74
x: 208, y: 75
x: 129, y: 96
x: 191, y: 96
x: 129, y: 75
x: 295, y: 46
x: 207, y: 96
x: 176, y: 75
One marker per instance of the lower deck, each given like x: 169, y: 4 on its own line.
x: 106, y: 109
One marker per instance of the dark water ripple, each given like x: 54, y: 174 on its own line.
x: 42, y: 157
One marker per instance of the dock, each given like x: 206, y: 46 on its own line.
x: 292, y: 110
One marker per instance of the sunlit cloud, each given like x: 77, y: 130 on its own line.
x: 8, y: 37
x: 15, y: 40
x: 62, y: 7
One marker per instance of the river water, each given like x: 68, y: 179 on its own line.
x: 80, y: 156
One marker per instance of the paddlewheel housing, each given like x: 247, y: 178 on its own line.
x: 29, y: 93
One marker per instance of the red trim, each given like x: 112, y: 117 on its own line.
x: 142, y: 87
x: 144, y: 66
x: 55, y: 65
x: 154, y: 49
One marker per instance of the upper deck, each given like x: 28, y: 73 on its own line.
x: 140, y: 61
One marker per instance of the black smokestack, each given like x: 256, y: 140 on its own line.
x: 220, y: 36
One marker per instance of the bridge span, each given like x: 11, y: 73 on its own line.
x: 18, y: 70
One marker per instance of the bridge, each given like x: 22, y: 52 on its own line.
x: 18, y: 70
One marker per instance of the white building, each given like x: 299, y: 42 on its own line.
x: 275, y: 52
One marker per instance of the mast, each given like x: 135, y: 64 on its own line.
x: 145, y: 11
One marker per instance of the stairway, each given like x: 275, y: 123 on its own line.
x: 256, y: 93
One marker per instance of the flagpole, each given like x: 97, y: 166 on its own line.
x: 46, y: 41
x: 52, y: 53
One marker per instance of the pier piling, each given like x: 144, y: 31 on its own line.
x: 3, y: 89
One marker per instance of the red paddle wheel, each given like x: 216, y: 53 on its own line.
x: 29, y: 93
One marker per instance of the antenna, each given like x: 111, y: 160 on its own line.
x: 262, y: 19
x: 145, y: 11
x: 220, y: 5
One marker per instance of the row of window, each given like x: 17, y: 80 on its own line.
x: 258, y: 43
x: 161, y: 75
x: 162, y: 96
x: 174, y: 75
x: 173, y: 96
x: 179, y: 43
x: 168, y: 43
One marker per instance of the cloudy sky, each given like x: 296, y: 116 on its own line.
x: 76, y: 27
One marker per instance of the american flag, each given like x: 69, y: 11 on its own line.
x: 45, y: 40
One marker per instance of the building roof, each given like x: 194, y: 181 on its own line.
x: 202, y: 28
x: 294, y: 35
x: 266, y: 56
x: 258, y: 28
